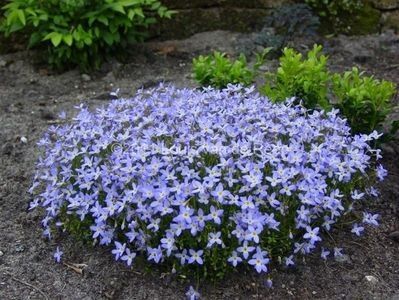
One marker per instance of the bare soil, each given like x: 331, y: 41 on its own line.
x: 31, y: 98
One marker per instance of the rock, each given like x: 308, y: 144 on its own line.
x: 47, y: 115
x: 366, y: 21
x: 7, y: 148
x: 394, y: 236
x: 349, y: 277
x: 1, y: 253
x: 385, y: 4
x: 190, y: 21
x: 16, y: 66
x: 85, y: 77
x: 190, y: 4
x: 23, y: 140
x: 3, y: 63
x: 371, y: 279
x: 344, y: 258
x: 390, y: 20
x: 19, y: 248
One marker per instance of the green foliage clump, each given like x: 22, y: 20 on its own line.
x: 306, y: 79
x: 363, y: 100
x: 336, y: 12
x: 218, y: 70
x: 334, y: 7
x: 79, y: 32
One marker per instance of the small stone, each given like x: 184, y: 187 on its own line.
x: 394, y: 236
x: 85, y: 77
x: 344, y: 258
x: 47, y: 115
x: 349, y: 277
x: 371, y: 279
x: 1, y: 253
x: 314, y: 292
x: 7, y: 148
x: 3, y: 63
x: 24, y: 140
x: 19, y: 248
x: 362, y: 58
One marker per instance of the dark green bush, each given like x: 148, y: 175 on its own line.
x: 335, y: 13
x: 81, y: 32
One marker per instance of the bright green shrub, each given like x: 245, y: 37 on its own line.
x: 363, y: 100
x: 217, y: 70
x: 80, y: 32
x: 306, y: 79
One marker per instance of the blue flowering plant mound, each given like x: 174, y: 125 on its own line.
x: 205, y: 180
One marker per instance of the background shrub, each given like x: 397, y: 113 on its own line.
x: 204, y: 181
x: 335, y: 13
x: 79, y: 32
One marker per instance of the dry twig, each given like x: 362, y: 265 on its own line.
x: 28, y: 284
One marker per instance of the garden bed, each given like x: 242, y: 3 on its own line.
x: 31, y: 97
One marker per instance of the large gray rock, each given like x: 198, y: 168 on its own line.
x: 184, y: 4
x: 385, y: 4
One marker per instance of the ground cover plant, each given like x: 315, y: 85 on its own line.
x: 78, y: 32
x: 205, y: 181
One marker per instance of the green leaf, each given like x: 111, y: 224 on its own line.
x: 35, y: 38
x: 103, y: 20
x: 68, y: 39
x: 118, y: 7
x: 108, y: 38
x: 55, y: 38
x: 21, y: 16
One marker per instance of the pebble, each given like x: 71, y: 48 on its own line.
x: 394, y: 236
x: 24, y: 140
x: 371, y: 279
x: 1, y: 253
x: 349, y: 277
x: 85, y: 77
x: 47, y: 115
x: 19, y: 248
x: 344, y: 258
x: 7, y: 148
x: 3, y: 63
